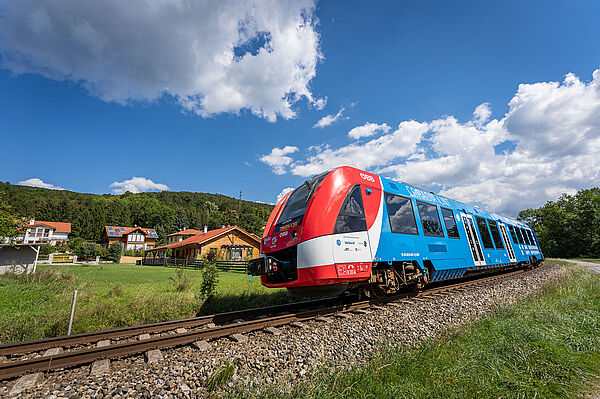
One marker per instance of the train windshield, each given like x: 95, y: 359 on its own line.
x: 296, y: 205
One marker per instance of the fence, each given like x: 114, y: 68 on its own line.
x: 56, y: 258
x: 225, y: 265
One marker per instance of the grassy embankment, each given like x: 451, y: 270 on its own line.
x: 587, y: 259
x: 114, y: 295
x: 547, y: 346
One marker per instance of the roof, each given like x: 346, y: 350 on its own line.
x: 60, y: 227
x: 119, y: 231
x: 203, y: 237
x: 186, y: 232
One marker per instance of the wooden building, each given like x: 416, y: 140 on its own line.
x: 228, y: 243
x: 183, y: 235
x: 130, y: 237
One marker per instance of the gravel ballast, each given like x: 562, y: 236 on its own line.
x: 293, y: 352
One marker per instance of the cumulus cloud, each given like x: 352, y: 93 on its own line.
x: 329, y: 119
x: 137, y: 185
x: 555, y: 127
x: 283, y: 193
x: 210, y: 56
x: 35, y: 182
x: 368, y: 129
x: 278, y: 159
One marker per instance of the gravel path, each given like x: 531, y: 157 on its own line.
x: 292, y: 354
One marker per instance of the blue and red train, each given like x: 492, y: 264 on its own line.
x: 347, y: 229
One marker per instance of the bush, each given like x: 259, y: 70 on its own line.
x: 75, y: 243
x: 180, y: 281
x: 87, y: 250
x: 46, y: 249
x: 210, y: 278
x: 114, y: 252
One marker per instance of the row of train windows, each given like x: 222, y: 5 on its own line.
x: 402, y: 220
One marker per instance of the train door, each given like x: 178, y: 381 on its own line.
x: 509, y: 248
x: 473, y: 239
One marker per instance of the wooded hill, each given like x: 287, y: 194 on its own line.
x: 165, y: 211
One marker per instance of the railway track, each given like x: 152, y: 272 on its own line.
x: 202, y: 329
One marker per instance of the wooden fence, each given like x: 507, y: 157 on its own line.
x: 225, y: 265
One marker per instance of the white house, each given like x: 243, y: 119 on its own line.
x: 42, y: 232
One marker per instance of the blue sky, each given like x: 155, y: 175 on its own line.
x: 86, y: 104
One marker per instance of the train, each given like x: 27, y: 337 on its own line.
x: 348, y: 230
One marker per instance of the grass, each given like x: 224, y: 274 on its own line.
x: 115, y: 295
x: 547, y: 346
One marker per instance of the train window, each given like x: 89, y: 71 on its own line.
x: 512, y: 234
x: 430, y: 219
x: 525, y: 238
x: 295, y: 207
x: 486, y: 238
x: 450, y: 223
x: 530, y: 237
x: 401, y: 214
x: 520, y: 235
x: 352, y: 214
x: 496, y: 234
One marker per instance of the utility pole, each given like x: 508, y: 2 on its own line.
x: 240, y: 195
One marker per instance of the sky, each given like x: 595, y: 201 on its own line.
x: 493, y: 103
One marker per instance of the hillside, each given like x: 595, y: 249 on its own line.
x: 166, y: 211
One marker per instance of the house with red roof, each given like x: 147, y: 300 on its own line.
x: 183, y: 235
x: 42, y: 232
x: 228, y: 243
x: 131, y: 238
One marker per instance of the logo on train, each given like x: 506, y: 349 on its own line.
x: 367, y: 177
x: 338, y: 242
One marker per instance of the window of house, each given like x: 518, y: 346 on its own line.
x: 486, y: 238
x: 135, y: 237
x: 496, y: 234
x: 512, y: 234
x: 450, y: 223
x: 401, y: 214
x: 39, y: 232
x: 249, y: 252
x: 46, y: 232
x: 430, y: 219
x: 234, y: 254
x: 352, y: 214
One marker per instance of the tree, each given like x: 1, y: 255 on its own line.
x: 114, y: 252
x: 87, y: 250
x: 8, y: 221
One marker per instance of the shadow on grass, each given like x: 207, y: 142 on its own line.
x: 231, y: 302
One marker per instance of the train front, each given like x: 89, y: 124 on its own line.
x: 316, y: 241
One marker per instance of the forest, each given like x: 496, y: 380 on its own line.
x: 569, y: 226
x: 165, y: 211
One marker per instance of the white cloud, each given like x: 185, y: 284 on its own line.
x: 329, y: 119
x: 555, y: 127
x: 211, y: 56
x: 283, y: 193
x: 137, y: 185
x: 368, y: 129
x: 278, y: 158
x: 35, y: 182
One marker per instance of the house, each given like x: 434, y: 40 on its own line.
x: 42, y: 232
x: 229, y: 243
x: 183, y: 235
x: 135, y: 238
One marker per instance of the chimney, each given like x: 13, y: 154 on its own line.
x: 31, y: 222
x: 205, y: 229
x: 222, y: 226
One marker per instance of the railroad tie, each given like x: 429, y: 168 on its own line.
x: 297, y: 324
x: 144, y: 336
x: 378, y: 307
x: 396, y: 304
x: 53, y: 351
x: 211, y: 325
x: 201, y: 345
x: 181, y: 330
x: 25, y: 382
x: 103, y: 343
x: 238, y: 338
x: 343, y: 315
x: 100, y: 367
x: 361, y: 311
x: 272, y: 330
x: 154, y: 356
x: 3, y: 359
x: 323, y: 319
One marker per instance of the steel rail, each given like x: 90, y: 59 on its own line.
x: 88, y: 355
